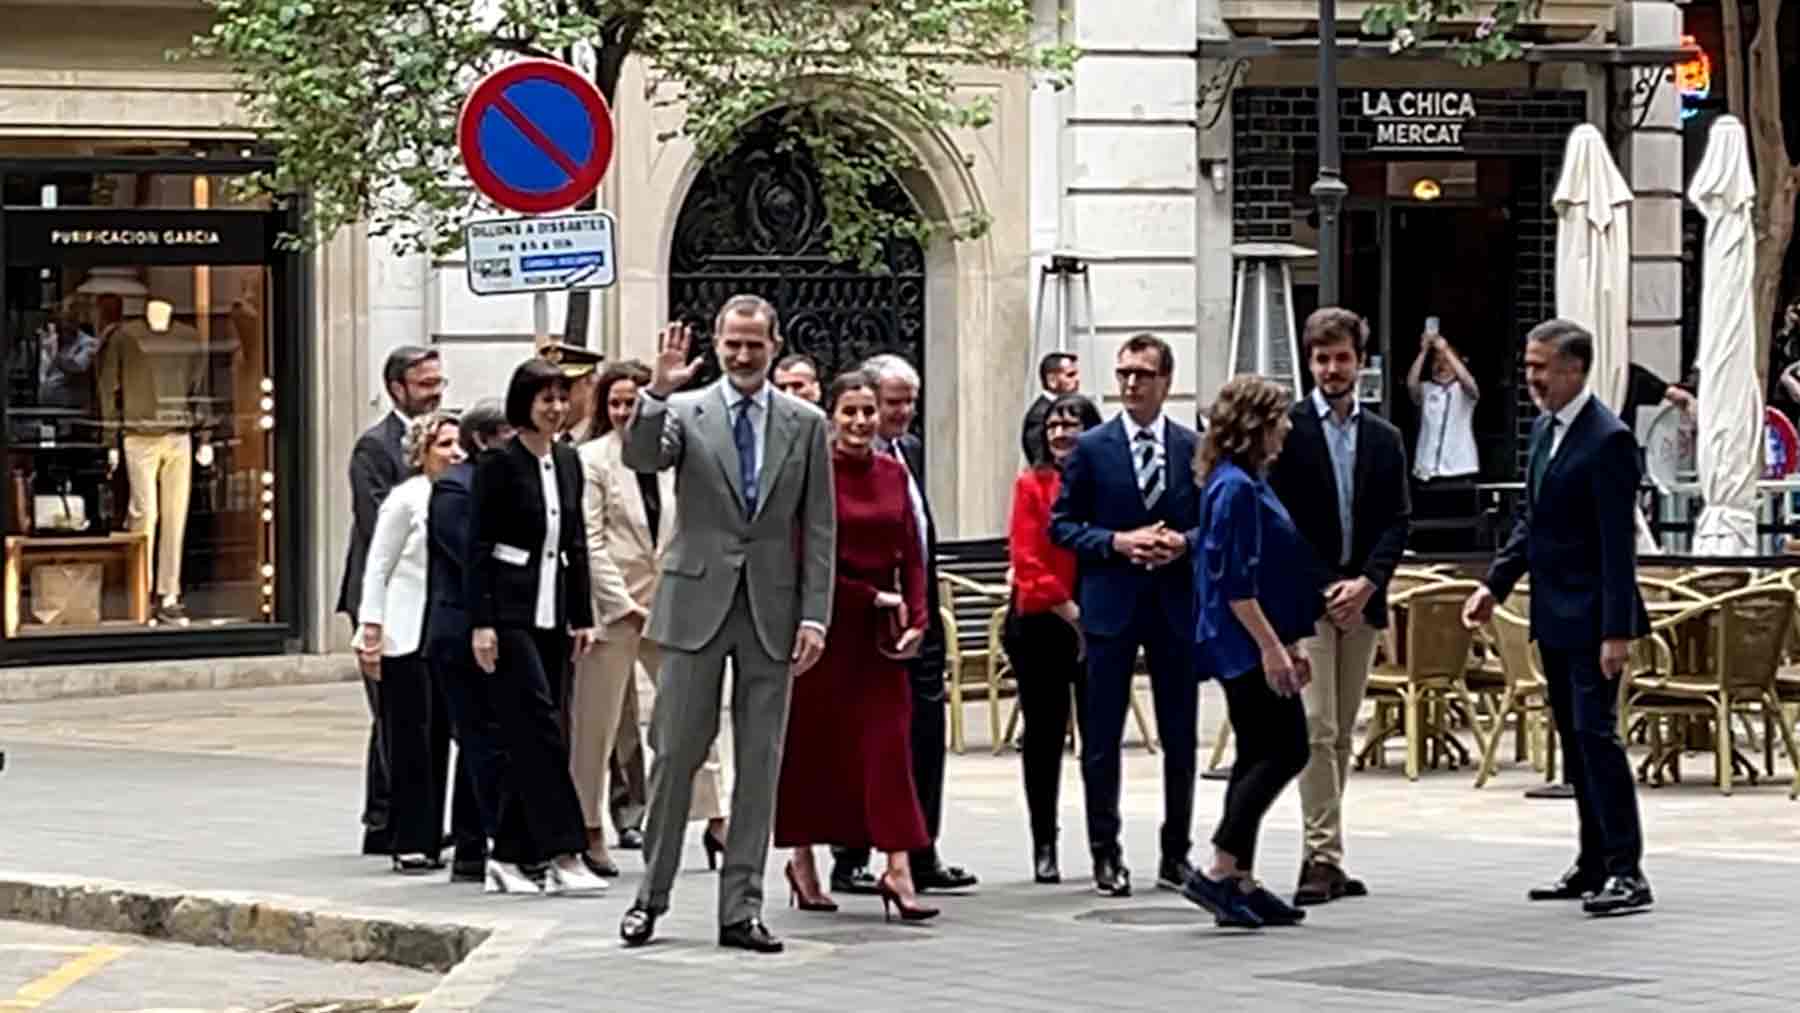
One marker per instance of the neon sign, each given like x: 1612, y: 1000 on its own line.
x: 1693, y: 78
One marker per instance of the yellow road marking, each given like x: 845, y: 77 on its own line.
x: 41, y: 991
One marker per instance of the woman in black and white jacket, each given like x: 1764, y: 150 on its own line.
x: 530, y: 610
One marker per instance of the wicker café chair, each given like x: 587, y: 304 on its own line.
x: 1430, y: 673
x: 973, y: 660
x: 1749, y: 630
x: 1521, y: 696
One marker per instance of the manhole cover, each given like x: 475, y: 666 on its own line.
x: 1468, y: 981
x: 861, y: 937
x: 1145, y: 916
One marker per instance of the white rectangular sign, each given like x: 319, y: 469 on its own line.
x: 550, y: 253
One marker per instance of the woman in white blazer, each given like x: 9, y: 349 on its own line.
x: 415, y: 724
x: 630, y: 520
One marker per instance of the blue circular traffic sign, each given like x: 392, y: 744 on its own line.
x: 535, y: 136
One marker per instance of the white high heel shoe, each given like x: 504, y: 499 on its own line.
x: 572, y: 881
x: 504, y: 877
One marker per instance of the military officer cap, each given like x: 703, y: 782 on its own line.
x: 574, y: 361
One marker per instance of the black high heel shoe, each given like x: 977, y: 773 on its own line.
x: 715, y: 848
x: 798, y: 898
x: 884, y: 888
x: 416, y: 865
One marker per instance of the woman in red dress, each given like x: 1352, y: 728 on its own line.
x: 846, y: 773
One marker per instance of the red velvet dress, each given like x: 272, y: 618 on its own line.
x: 846, y: 770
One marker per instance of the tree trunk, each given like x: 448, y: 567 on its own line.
x: 610, y: 54
x: 1777, y: 178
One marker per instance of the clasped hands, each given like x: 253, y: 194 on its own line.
x: 910, y: 639
x: 1151, y: 546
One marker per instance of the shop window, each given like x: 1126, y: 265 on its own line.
x: 139, y: 405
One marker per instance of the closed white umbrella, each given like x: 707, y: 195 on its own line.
x: 1593, y: 267
x: 1731, y: 405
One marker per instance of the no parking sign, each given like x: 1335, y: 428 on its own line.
x: 536, y: 136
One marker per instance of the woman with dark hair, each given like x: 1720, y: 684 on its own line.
x: 846, y: 773
x: 1256, y: 588
x: 415, y: 737
x: 630, y: 522
x: 1043, y: 635
x: 529, y: 608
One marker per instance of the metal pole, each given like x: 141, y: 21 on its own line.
x: 540, y: 319
x: 1329, y: 189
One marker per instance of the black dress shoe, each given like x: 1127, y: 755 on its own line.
x: 468, y: 870
x: 631, y: 839
x: 750, y: 934
x: 638, y: 925
x: 605, y: 870
x: 857, y: 880
x: 1043, y: 864
x: 1173, y: 873
x: 943, y: 877
x: 1572, y: 885
x: 1620, y: 895
x: 1111, y: 877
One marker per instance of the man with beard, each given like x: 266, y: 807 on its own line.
x: 414, y: 379
x: 1575, y: 535
x: 1359, y: 531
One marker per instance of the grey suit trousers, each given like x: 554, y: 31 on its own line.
x: 683, y: 727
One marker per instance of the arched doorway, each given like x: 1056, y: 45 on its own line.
x: 754, y: 222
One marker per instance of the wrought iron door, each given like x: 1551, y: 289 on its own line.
x: 754, y: 222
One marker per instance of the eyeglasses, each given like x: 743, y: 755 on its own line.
x: 1128, y: 375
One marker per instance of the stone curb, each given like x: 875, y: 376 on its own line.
x: 61, y: 682
x: 247, y: 924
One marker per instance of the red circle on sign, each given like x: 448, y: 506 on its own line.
x: 489, y: 94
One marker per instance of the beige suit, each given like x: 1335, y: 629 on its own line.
x: 623, y: 561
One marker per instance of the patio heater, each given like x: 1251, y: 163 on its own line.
x: 1264, y: 334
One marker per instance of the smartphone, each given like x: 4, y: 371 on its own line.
x: 1431, y: 325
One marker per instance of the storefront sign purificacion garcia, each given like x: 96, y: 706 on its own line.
x: 1418, y: 119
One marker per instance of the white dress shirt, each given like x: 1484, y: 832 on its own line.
x: 548, y: 559
x: 1565, y: 417
x: 1159, y: 430
x: 892, y: 449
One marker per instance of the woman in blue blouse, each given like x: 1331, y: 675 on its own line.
x: 1257, y: 596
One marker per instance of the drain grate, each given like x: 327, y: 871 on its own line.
x: 1467, y: 981
x: 1141, y: 917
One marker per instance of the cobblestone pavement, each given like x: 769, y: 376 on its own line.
x: 255, y: 792
x: 58, y: 970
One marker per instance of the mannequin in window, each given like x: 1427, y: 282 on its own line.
x: 150, y: 373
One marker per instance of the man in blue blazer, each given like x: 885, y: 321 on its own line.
x: 1576, y: 535
x: 1127, y: 500
x: 475, y: 800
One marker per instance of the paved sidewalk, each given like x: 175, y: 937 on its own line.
x: 230, y: 793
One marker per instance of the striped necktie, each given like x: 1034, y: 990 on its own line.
x: 1149, y: 468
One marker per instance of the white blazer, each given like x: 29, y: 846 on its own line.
x: 623, y: 559
x: 394, y: 582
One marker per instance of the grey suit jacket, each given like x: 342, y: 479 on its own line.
x: 786, y: 553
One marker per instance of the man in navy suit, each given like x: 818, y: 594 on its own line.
x: 1575, y: 534
x: 1127, y: 499
x: 475, y: 800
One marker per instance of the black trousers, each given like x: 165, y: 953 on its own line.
x: 1045, y: 656
x: 540, y: 814
x: 1272, y: 750
x: 927, y: 679
x: 480, y: 762
x: 375, y: 775
x: 415, y: 740
x: 1585, y: 705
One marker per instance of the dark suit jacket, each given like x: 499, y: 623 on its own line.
x: 1099, y: 498
x: 1031, y: 434
x: 1381, y: 506
x: 508, y: 498
x: 929, y: 663
x: 447, y: 544
x: 377, y: 464
x: 1578, y: 538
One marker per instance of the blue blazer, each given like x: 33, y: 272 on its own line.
x: 448, y: 534
x: 1099, y: 498
x: 1578, y: 539
x: 1248, y: 547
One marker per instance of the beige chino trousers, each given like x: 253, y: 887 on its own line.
x: 1340, y: 674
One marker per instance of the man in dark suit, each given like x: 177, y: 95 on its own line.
x: 1575, y: 535
x: 1342, y: 477
x: 1127, y: 501
x: 475, y: 799
x: 897, y: 400
x: 1059, y: 373
x: 414, y: 379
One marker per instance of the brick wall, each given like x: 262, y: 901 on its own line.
x: 1275, y: 133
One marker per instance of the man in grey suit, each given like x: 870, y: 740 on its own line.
x: 414, y: 379
x: 747, y: 576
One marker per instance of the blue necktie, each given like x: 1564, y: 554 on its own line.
x: 744, y: 435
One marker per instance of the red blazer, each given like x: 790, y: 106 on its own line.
x: 1043, y: 572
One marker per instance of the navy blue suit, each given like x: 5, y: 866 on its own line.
x: 475, y: 803
x: 1576, y: 535
x: 1125, y: 607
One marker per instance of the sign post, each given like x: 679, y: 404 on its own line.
x: 536, y: 137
